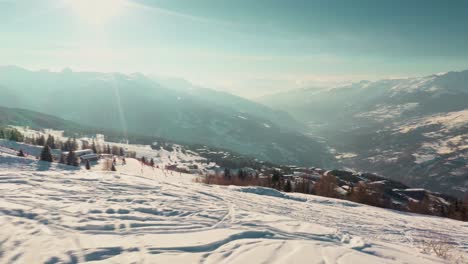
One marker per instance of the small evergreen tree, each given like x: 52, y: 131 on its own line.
x: 15, y: 135
x: 115, y: 150
x: 50, y: 141
x: 65, y: 146
x: 40, y: 141
x: 88, y: 166
x: 227, y: 174
x: 275, y: 178
x: 20, y: 153
x: 46, y: 155
x: 71, y: 159
x: 241, y: 174
x: 287, y: 186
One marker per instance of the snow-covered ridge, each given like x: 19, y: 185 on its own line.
x: 384, y: 112
x: 440, y: 83
x: 448, y: 121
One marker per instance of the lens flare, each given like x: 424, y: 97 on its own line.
x: 97, y: 12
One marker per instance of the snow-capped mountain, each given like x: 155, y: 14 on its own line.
x: 413, y: 130
x: 136, y: 104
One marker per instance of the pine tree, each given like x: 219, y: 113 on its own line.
x: 40, y: 141
x: 115, y: 150
x: 88, y: 167
x: 287, y: 186
x: 275, y: 178
x: 20, y: 153
x: 241, y: 174
x: 50, y: 141
x: 227, y: 173
x: 65, y: 146
x: 71, y: 159
x: 46, y: 155
x: 15, y: 135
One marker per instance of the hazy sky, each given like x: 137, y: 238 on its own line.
x: 249, y: 47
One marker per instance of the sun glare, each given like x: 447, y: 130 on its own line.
x: 97, y: 12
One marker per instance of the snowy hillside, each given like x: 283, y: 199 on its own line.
x: 140, y: 215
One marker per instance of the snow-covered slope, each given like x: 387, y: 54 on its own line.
x: 141, y: 215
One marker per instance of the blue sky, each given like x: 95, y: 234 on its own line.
x: 243, y: 46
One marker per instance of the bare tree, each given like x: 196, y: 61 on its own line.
x: 326, y: 186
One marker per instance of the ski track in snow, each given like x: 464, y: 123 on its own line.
x: 129, y: 216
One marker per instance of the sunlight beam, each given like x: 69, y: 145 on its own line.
x: 97, y: 12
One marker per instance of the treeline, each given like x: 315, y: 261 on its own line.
x: 11, y: 134
x: 51, y: 143
x: 328, y: 186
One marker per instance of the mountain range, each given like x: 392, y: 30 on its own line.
x: 137, y: 104
x: 413, y: 130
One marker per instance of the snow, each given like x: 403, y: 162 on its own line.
x: 13, y: 148
x: 161, y: 156
x: 384, y: 112
x: 443, y: 138
x: 267, y: 192
x: 412, y: 85
x: 144, y: 215
x: 346, y: 155
x: 421, y: 158
x: 448, y: 121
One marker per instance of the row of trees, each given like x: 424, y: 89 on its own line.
x: 48, y: 143
x: 376, y: 195
x: 147, y: 162
x: 11, y: 134
x: 69, y: 159
x: 362, y: 192
x: 72, y: 144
